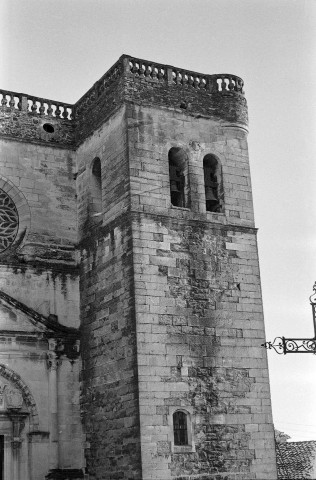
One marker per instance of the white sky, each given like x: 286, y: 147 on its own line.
x: 57, y: 49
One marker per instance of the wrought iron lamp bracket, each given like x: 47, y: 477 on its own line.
x: 282, y: 345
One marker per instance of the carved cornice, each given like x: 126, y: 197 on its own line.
x: 35, y: 317
x: 66, y: 339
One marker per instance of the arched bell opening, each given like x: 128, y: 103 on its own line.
x: 96, y: 190
x: 212, y: 183
x: 178, y: 176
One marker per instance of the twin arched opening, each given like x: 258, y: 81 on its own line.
x: 179, y: 180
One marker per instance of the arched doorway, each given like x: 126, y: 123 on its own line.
x: 17, y: 417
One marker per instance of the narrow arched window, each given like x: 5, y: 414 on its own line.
x: 96, y: 188
x: 178, y: 166
x: 212, y: 182
x: 180, y: 428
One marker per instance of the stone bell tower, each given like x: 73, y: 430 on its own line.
x: 131, y: 235
x: 175, y: 383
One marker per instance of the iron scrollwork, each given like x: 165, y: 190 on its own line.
x: 282, y: 345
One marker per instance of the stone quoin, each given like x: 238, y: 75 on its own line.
x: 131, y: 317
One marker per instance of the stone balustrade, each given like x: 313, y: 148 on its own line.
x: 145, y: 69
x: 36, y: 105
x: 189, y: 79
x: 176, y: 76
x: 226, y: 82
x: 10, y: 100
x: 139, y: 69
x: 129, y: 79
x: 132, y: 67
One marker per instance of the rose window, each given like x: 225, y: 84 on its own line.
x: 9, y: 221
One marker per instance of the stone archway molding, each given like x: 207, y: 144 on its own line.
x: 28, y: 398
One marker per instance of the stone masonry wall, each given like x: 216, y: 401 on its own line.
x: 198, y: 306
x: 39, y: 270
x: 109, y: 377
x: 44, y: 177
x: 42, y: 260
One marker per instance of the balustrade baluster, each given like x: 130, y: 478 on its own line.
x: 49, y: 109
x: 41, y: 108
x: 65, y: 113
x: 190, y: 80
x: 34, y: 107
x: 19, y: 105
x: 12, y: 101
x: 154, y: 73
x: 196, y: 82
x: 231, y: 85
x: 147, y: 71
x: 57, y: 111
x: 184, y: 79
x: 160, y: 74
x: 223, y: 84
x: 142, y: 70
x: 178, y: 78
x: 135, y: 68
x: 4, y: 100
x: 240, y: 86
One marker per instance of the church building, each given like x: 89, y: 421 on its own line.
x: 131, y: 316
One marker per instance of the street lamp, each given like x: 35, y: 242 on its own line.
x: 282, y: 345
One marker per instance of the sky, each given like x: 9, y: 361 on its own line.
x: 59, y: 49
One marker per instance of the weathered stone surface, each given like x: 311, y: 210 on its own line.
x: 28, y: 126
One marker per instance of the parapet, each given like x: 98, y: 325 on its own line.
x: 38, y: 120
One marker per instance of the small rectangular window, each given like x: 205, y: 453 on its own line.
x: 180, y: 428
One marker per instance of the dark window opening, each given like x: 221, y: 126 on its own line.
x: 96, y: 189
x: 211, y: 182
x: 180, y: 428
x: 177, y: 170
x: 48, y: 128
x: 176, y: 186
